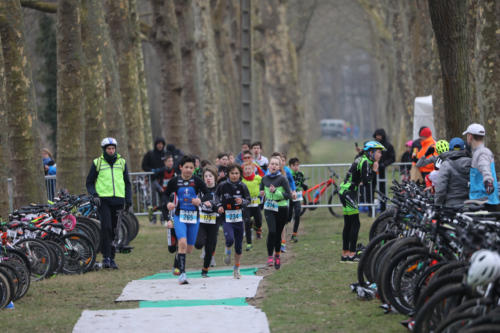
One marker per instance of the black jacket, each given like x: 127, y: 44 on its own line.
x: 153, y: 159
x: 388, y: 155
x: 227, y: 192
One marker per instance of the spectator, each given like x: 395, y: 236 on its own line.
x: 483, y: 179
x: 388, y: 157
x: 46, y: 159
x: 177, y: 154
x: 404, y: 170
x: 244, y: 147
x: 50, y: 168
x: 427, y: 148
x: 153, y: 162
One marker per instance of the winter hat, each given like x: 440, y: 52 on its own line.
x: 425, y: 132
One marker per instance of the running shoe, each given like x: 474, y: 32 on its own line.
x: 227, y: 257
x: 283, y: 248
x: 183, y: 279
x: 277, y: 262
x: 204, y: 273
x: 294, y: 239
x: 249, y: 247
x: 212, y: 262
x: 10, y: 305
x: 270, y: 261
x: 236, y: 273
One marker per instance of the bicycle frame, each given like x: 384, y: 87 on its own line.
x: 323, y: 186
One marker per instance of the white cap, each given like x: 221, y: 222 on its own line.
x: 475, y: 129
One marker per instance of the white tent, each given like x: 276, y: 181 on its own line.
x: 423, y: 114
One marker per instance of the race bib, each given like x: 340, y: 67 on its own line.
x: 11, y: 233
x: 207, y: 218
x: 233, y: 216
x: 271, y: 205
x: 188, y: 216
x: 254, y: 202
x: 299, y: 196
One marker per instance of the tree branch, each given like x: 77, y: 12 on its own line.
x: 47, y: 7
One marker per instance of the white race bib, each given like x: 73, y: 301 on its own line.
x: 254, y: 202
x: 299, y: 196
x: 233, y: 216
x: 208, y: 218
x: 271, y: 205
x: 188, y: 216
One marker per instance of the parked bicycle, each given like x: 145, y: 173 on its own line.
x: 314, y: 194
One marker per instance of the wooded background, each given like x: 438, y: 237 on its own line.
x: 75, y: 71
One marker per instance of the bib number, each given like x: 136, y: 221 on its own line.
x: 271, y: 205
x: 254, y: 202
x: 233, y: 216
x: 299, y: 196
x: 188, y: 216
x: 207, y: 218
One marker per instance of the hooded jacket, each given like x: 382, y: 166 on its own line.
x: 153, y: 159
x: 451, y: 184
x: 388, y: 155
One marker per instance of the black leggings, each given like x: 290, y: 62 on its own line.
x: 295, y: 209
x: 108, y: 215
x: 350, y: 232
x: 207, y: 237
x: 248, y: 213
x: 275, y: 223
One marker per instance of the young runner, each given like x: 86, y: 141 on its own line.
x: 299, y: 180
x: 162, y: 177
x: 231, y: 198
x: 361, y: 171
x: 275, y: 188
x: 209, y: 221
x: 252, y: 181
x: 262, y: 161
x: 248, y: 159
x: 186, y: 217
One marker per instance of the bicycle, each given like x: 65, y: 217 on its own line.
x: 313, y: 195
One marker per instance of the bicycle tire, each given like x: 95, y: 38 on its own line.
x: 14, y: 277
x: 21, y: 263
x: 439, y: 305
x: 330, y: 201
x: 40, y: 257
x: 135, y: 224
x: 486, y: 328
x: 364, y: 261
x: 59, y: 255
x: 380, y: 221
x: 79, y: 253
x: 95, y: 225
x: 435, y: 285
x: 467, y: 311
x: 5, y: 290
x: 425, y: 278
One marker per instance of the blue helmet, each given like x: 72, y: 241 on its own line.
x: 373, y: 145
x: 457, y: 144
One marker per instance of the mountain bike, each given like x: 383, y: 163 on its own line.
x: 313, y: 195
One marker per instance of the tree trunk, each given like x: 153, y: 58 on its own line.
x: 166, y: 41
x: 143, y: 91
x: 94, y: 86
x: 121, y: 29
x: 4, y: 154
x: 27, y: 170
x: 70, y: 128
x: 449, y: 24
x: 487, y: 69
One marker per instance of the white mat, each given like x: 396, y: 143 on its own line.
x: 217, y: 287
x: 196, y: 319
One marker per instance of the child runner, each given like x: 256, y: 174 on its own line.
x: 232, y: 197
x: 186, y: 219
x: 162, y: 177
x: 275, y: 188
x: 209, y: 221
x: 252, y: 181
x: 262, y: 161
x: 295, y: 209
x: 361, y: 171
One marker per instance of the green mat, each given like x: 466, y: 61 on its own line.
x: 239, y: 301
x: 197, y: 274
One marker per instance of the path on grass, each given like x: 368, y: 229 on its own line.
x: 204, y: 305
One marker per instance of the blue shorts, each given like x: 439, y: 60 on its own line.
x: 186, y: 230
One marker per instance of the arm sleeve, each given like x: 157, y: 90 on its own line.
x: 423, y: 161
x: 246, y: 195
x: 441, y: 184
x: 484, y: 166
x: 366, y: 173
x: 391, y: 158
x: 145, y: 163
x: 91, y: 179
x: 171, y: 187
x: 156, y: 184
x: 218, y: 191
x: 290, y: 180
x: 128, y: 186
x: 202, y: 187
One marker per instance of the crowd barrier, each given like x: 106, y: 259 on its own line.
x: 323, y: 179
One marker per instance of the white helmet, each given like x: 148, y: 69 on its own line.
x: 108, y: 141
x: 484, y: 268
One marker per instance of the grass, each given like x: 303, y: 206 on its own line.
x: 310, y: 293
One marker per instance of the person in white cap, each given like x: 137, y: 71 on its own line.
x: 483, y: 179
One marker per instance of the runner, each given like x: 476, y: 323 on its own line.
x: 186, y: 219
x: 257, y: 155
x: 361, y: 171
x: 209, y: 222
x: 252, y: 181
x: 276, y: 190
x: 231, y: 197
x: 248, y: 158
x: 296, y: 206
x: 161, y: 179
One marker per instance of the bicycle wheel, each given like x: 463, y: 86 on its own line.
x: 40, y: 257
x: 79, y: 253
x: 364, y: 275
x: 22, y: 265
x: 59, y: 256
x: 5, y: 289
x: 335, y: 211
x: 134, y: 222
x: 463, y: 314
x: 14, y: 278
x: 378, y: 226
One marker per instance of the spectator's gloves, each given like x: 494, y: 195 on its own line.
x: 430, y: 151
x: 96, y: 201
x: 488, y: 186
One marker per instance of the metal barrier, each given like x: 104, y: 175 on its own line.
x: 145, y: 196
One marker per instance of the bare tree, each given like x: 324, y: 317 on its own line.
x: 4, y: 154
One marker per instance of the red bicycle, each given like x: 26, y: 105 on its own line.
x: 313, y: 195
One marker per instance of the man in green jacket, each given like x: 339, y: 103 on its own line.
x: 109, y: 185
